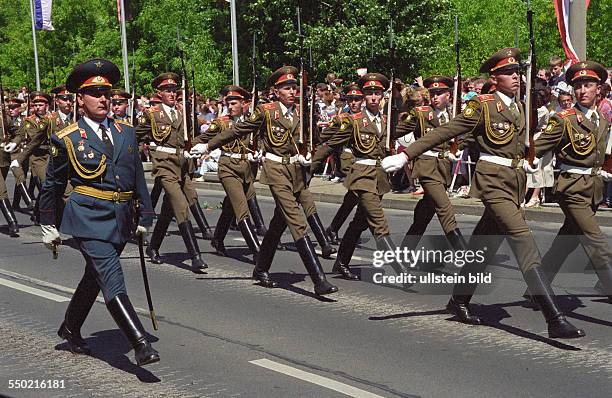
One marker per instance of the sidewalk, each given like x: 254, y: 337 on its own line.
x: 326, y: 191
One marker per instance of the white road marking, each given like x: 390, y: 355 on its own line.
x: 314, y: 379
x: 33, y: 290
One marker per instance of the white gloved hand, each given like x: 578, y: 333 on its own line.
x: 395, y: 162
x: 140, y: 230
x: 50, y: 236
x: 14, y: 163
x: 305, y: 160
x: 188, y: 155
x: 530, y: 170
x: 255, y: 157
x: 10, y: 147
x: 607, y: 177
x: 152, y: 145
x: 199, y: 149
x: 457, y: 157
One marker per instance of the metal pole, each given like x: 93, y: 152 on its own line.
x: 126, y: 70
x: 234, y: 41
x: 34, y: 42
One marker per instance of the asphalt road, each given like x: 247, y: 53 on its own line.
x: 221, y: 335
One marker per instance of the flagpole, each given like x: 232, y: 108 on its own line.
x: 34, y: 42
x: 126, y: 70
x: 234, y: 33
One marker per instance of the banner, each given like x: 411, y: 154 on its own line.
x: 562, y: 10
x: 42, y: 14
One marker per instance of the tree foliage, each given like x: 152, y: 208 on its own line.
x: 341, y: 35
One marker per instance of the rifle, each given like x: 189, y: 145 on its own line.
x: 193, y: 103
x: 254, y: 93
x: 392, y: 104
x: 3, y: 119
x: 311, y: 106
x: 303, y: 146
x: 531, y: 115
x: 184, y: 89
x: 456, y: 83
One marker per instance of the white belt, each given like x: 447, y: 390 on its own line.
x: 439, y: 155
x: 518, y: 163
x: 367, y: 162
x: 167, y: 149
x: 347, y: 150
x: 576, y: 169
x: 282, y: 159
x: 234, y: 155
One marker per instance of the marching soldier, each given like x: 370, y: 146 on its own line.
x: 8, y: 127
x: 162, y: 126
x: 354, y: 99
x: 497, y: 123
x: 35, y: 131
x: 15, y: 107
x: 100, y: 157
x: 365, y: 133
x: 432, y: 168
x: 277, y: 125
x: 578, y: 137
x: 235, y: 173
x: 120, y: 104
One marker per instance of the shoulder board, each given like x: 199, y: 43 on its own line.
x: 122, y: 121
x: 486, y: 97
x: 566, y: 113
x: 154, y: 108
x: 31, y: 117
x: 224, y: 118
x: 52, y: 115
x: 343, y: 115
x: 358, y: 115
x: 269, y: 106
x: 67, y: 130
x: 423, y: 108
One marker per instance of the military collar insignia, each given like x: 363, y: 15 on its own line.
x: 500, y: 106
x: 119, y: 129
x: 83, y: 133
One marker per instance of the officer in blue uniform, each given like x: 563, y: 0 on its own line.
x: 100, y: 157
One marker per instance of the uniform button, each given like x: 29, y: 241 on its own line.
x: 117, y: 177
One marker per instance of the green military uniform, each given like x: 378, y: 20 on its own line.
x: 278, y: 128
x: 236, y: 175
x: 163, y: 126
x: 497, y: 123
x: 14, y: 126
x: 8, y: 126
x: 578, y: 137
x: 365, y: 134
x: 433, y: 169
x: 347, y: 159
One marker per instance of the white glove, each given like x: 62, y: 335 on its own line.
x: 152, y: 145
x: 140, y: 230
x: 50, y: 236
x: 199, y: 149
x: 607, y: 177
x: 530, y: 170
x: 305, y: 160
x: 10, y: 147
x: 254, y: 157
x: 395, y: 162
x: 14, y: 163
x: 457, y: 157
x: 189, y: 155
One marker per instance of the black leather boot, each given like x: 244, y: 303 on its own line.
x: 345, y: 253
x: 317, y: 229
x: 268, y: 248
x: 156, y: 192
x: 458, y: 305
x: 226, y: 217
x: 200, y: 219
x: 541, y: 292
x: 258, y: 221
x: 348, y: 204
x: 82, y: 300
x: 197, y: 264
x: 125, y: 316
x: 159, y: 233
x: 248, y: 232
x: 385, y: 243
x: 456, y: 240
x: 311, y: 262
x: 25, y: 195
x: 16, y: 199
x: 11, y: 220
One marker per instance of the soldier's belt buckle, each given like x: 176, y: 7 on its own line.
x: 285, y: 160
x: 441, y: 155
x: 595, y: 171
x: 115, y: 196
x: 243, y: 156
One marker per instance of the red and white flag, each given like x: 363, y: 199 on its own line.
x: 562, y: 10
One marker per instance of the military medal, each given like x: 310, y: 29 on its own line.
x: 80, y: 148
x: 130, y: 148
x: 90, y: 155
